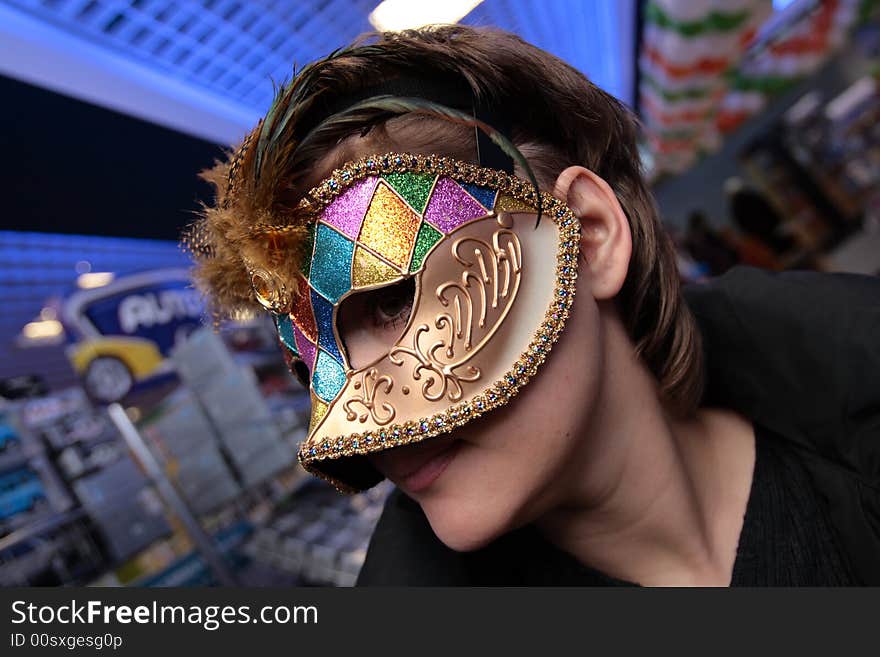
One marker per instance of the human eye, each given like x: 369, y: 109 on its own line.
x: 371, y: 322
x: 390, y: 307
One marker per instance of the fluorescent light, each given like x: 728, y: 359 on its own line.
x: 94, y: 279
x: 395, y: 15
x: 50, y: 328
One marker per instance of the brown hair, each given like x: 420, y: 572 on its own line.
x: 556, y: 116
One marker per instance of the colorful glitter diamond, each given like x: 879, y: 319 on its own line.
x: 301, y: 311
x: 390, y: 226
x: 428, y: 236
x: 328, y: 378
x: 331, y: 263
x: 415, y: 188
x: 305, y: 348
x: 507, y: 203
x: 285, y: 332
x: 347, y: 212
x: 324, y: 319
x: 307, y: 248
x: 319, y: 410
x: 369, y: 270
x: 484, y: 195
x: 450, y: 206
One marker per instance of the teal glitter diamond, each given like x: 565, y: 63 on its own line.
x: 331, y: 264
x: 285, y: 331
x: 329, y: 377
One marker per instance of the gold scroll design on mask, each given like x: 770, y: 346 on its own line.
x: 371, y: 383
x: 490, y: 280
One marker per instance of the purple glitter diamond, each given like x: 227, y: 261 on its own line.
x: 347, y: 212
x: 305, y: 348
x: 450, y: 206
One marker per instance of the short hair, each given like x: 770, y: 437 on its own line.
x: 557, y: 118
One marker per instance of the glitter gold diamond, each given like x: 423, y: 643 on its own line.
x: 390, y: 227
x: 368, y: 270
x: 319, y: 409
x: 508, y: 203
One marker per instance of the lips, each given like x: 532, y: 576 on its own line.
x: 415, y: 467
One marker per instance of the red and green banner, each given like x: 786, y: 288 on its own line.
x: 706, y: 66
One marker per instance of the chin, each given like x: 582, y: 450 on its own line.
x: 465, y: 526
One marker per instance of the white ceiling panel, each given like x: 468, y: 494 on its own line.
x: 207, y: 67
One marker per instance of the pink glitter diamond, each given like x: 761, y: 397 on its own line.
x: 347, y: 212
x: 450, y: 206
x: 305, y: 348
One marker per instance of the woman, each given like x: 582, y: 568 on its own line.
x: 523, y: 366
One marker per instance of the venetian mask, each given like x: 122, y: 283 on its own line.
x: 493, y: 286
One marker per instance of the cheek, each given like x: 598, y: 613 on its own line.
x: 514, y: 462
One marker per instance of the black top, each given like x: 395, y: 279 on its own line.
x: 799, y: 354
x: 786, y: 539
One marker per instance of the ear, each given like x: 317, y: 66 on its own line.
x: 606, y: 240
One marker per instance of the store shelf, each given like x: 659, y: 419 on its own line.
x: 35, y: 529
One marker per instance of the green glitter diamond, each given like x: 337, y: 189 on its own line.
x: 308, y: 246
x: 427, y: 237
x: 415, y: 188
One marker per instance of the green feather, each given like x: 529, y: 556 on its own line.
x: 288, y: 103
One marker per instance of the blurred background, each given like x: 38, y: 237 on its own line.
x: 142, y: 446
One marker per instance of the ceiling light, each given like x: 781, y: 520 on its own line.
x: 94, y: 279
x: 50, y: 328
x: 395, y: 15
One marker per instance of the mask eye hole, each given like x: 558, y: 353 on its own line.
x: 391, y: 305
x: 299, y: 370
x: 371, y: 322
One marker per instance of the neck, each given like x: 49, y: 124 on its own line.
x: 652, y: 499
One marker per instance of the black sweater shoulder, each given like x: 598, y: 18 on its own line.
x: 799, y: 353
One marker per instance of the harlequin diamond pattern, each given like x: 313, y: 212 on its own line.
x: 368, y: 270
x: 390, y: 227
x: 374, y: 233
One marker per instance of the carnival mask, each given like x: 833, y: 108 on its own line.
x: 493, y: 287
